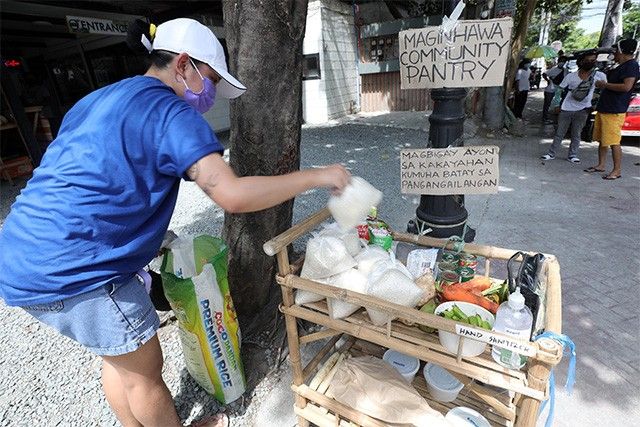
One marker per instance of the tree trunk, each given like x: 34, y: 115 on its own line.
x: 612, y: 22
x: 518, y: 37
x: 264, y: 40
x: 493, y: 111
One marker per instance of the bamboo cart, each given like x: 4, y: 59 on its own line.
x: 504, y: 396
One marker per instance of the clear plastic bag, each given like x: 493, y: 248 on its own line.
x: 349, y: 237
x: 326, y: 256
x: 305, y: 297
x: 369, y: 257
x: 391, y: 281
x: 351, y: 280
x: 352, y: 206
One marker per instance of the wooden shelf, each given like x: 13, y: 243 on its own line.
x: 506, y: 397
x: 426, y: 347
x: 316, y: 409
x: 8, y: 126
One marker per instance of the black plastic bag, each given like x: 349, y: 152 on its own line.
x: 528, y: 279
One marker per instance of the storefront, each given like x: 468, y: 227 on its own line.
x: 53, y: 54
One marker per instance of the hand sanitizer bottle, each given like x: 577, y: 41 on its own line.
x: 515, y: 319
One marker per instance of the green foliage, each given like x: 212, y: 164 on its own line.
x: 578, y: 40
x: 565, y: 15
x: 631, y: 19
x: 557, y: 7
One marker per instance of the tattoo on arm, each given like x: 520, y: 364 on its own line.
x: 193, y: 171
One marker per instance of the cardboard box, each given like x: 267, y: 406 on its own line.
x: 19, y: 166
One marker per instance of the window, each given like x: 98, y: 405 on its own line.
x: 311, y: 67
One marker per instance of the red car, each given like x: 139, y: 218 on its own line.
x: 631, y: 125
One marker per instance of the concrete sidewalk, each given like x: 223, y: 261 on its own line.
x: 591, y: 225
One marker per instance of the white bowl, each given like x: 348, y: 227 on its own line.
x: 450, y: 341
x: 466, y: 417
x: 442, y: 386
x: 407, y: 365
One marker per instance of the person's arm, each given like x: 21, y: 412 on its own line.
x: 254, y: 193
x: 565, y: 81
x: 545, y: 77
x: 625, y: 86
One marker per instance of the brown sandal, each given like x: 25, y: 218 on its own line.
x: 611, y: 177
x: 593, y: 169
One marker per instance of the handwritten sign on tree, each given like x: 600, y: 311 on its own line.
x: 443, y: 171
x: 473, y: 54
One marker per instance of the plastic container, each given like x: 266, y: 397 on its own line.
x: 407, y: 365
x: 466, y: 417
x: 515, y: 319
x: 442, y: 386
x: 450, y: 340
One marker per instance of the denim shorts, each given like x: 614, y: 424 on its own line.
x: 112, y: 320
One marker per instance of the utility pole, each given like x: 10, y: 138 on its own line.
x: 444, y: 216
x: 612, y: 26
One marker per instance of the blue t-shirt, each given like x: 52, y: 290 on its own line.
x: 618, y: 102
x: 99, y: 204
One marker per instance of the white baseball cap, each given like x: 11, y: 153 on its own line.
x: 191, y: 37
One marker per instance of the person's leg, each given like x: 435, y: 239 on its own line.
x: 577, y: 123
x: 602, y: 149
x: 616, y: 121
x: 525, y: 94
x: 564, y: 121
x: 548, y: 96
x: 602, y: 158
x: 140, y: 373
x: 616, y: 152
x: 116, y: 396
x: 518, y: 106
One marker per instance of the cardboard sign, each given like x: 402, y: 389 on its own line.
x: 442, y: 171
x: 79, y: 24
x: 473, y: 54
x: 513, y: 344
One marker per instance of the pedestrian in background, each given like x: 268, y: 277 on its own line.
x: 97, y: 208
x: 553, y: 77
x: 576, y: 105
x: 612, y: 107
x: 522, y: 88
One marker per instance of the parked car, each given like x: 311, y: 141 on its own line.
x: 631, y: 125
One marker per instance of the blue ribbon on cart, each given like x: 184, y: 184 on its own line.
x: 568, y: 348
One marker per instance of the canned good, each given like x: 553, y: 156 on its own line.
x: 447, y: 266
x: 468, y: 260
x: 465, y: 273
x: 450, y: 257
x: 448, y: 277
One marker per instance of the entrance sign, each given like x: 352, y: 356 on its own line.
x: 473, y: 54
x: 79, y: 24
x: 444, y: 171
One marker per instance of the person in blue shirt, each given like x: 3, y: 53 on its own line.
x: 612, y: 107
x: 96, y: 210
